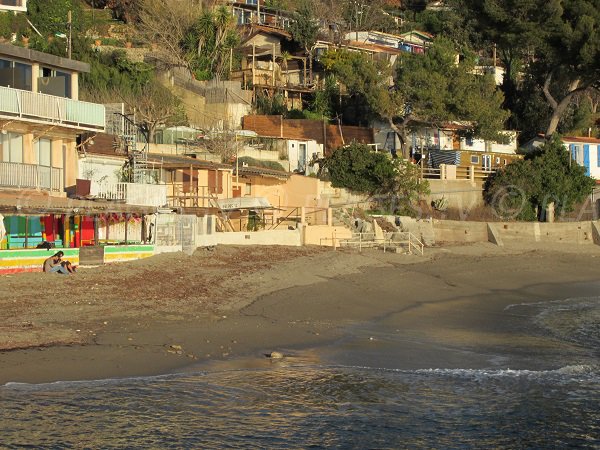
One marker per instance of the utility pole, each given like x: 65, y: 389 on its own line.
x: 70, y: 38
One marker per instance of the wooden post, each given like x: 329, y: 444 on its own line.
x: 143, y: 236
x: 304, y: 77
x: 253, y: 64
x: 95, y: 218
x: 26, y: 232
x: 126, y: 227
x: 273, y: 60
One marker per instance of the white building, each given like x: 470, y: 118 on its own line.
x: 13, y: 5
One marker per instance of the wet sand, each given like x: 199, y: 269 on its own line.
x: 173, y: 312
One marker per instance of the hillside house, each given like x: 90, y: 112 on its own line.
x: 326, y: 135
x: 412, y: 41
x: 585, y: 151
x: 41, y: 118
x: 257, y: 12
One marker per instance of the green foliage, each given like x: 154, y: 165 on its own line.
x: 437, y: 90
x: 557, y: 43
x: 448, y: 23
x: 259, y: 163
x: 359, y: 169
x: 112, y: 73
x: 11, y: 23
x: 209, y: 43
x: 525, y: 188
x: 50, y: 16
x: 305, y: 26
x: 394, y: 183
x: 270, y: 105
x: 255, y: 221
x: 326, y: 99
x: 366, y: 81
x: 429, y: 88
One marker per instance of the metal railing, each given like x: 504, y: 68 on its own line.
x: 28, y: 105
x: 391, y: 240
x: 293, y: 215
x: 132, y: 193
x: 31, y: 176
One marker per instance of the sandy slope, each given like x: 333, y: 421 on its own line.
x: 167, y: 312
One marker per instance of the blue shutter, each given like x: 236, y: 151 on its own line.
x: 598, y: 157
x: 586, y: 159
x: 573, y: 154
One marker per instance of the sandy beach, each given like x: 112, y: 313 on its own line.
x: 174, y: 311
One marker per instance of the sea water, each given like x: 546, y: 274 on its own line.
x: 297, y: 403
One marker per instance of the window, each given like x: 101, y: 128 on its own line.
x: 54, y: 82
x: 12, y: 147
x: 43, y: 152
x: 577, y: 154
x: 469, y: 142
x: 248, y: 190
x: 15, y: 75
x: 22, y: 76
x: 474, y: 159
x: 215, y: 181
x: 505, y: 162
x: 497, y: 160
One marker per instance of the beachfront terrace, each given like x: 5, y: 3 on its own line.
x: 43, y: 108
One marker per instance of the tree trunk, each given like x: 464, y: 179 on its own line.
x: 310, y: 66
x: 401, y: 132
x: 558, y: 108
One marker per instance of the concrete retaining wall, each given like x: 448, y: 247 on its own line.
x: 325, y: 235
x: 461, y: 194
x: 120, y: 253
x: 31, y: 260
x: 269, y: 237
x: 459, y: 231
x: 567, y: 232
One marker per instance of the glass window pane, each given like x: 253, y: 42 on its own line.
x: 22, y: 76
x: 3, y: 148
x: 45, y: 152
x: 16, y: 147
x: 66, y: 82
x: 6, y: 73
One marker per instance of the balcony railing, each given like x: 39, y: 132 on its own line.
x: 51, y: 109
x: 31, y: 176
x: 131, y: 193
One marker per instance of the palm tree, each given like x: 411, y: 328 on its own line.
x: 285, y: 57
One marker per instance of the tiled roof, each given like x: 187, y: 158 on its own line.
x: 586, y: 140
x: 263, y: 172
x: 184, y: 162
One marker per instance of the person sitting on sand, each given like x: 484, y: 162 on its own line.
x: 67, y: 265
x: 53, y: 264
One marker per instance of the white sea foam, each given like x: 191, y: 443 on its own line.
x: 575, y: 372
x: 550, y: 302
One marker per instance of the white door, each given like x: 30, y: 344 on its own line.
x: 486, y: 162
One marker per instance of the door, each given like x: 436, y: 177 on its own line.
x: 301, y: 157
x: 486, y: 162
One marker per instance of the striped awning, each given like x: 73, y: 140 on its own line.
x: 437, y: 157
